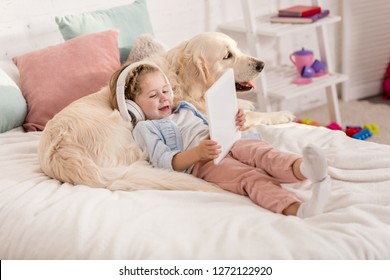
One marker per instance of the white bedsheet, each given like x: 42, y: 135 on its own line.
x: 40, y: 218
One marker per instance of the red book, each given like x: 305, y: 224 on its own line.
x: 305, y: 19
x: 300, y: 11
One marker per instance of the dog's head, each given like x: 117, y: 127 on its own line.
x: 200, y: 61
x: 216, y: 52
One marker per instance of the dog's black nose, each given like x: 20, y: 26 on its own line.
x: 259, y: 66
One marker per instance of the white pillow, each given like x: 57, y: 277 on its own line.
x: 11, y: 70
x: 13, y: 107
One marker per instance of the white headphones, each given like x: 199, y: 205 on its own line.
x: 127, y: 106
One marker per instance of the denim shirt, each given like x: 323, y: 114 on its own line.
x: 161, y: 139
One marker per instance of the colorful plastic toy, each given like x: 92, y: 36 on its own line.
x: 352, y: 130
x: 334, y: 126
x: 308, y: 121
x: 372, y: 127
x: 356, y: 132
x: 318, y: 66
x: 307, y: 72
x: 363, y: 134
x: 386, y: 83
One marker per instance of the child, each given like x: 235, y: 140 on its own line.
x: 177, y: 138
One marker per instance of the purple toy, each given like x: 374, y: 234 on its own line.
x: 316, y: 69
x: 307, y: 72
x: 318, y: 66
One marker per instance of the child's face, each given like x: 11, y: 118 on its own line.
x: 155, y: 99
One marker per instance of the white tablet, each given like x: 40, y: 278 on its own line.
x: 221, y: 102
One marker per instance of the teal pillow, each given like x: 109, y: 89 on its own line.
x: 13, y: 107
x: 131, y: 20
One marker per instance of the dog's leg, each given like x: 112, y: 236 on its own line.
x: 257, y: 118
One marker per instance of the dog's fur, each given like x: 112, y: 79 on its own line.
x: 194, y: 65
x: 89, y: 143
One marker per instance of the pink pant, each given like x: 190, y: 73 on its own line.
x: 256, y: 169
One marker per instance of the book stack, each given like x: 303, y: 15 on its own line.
x: 300, y: 14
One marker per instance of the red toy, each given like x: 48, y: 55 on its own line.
x: 356, y: 132
x: 362, y: 133
x: 351, y: 130
x: 386, y: 83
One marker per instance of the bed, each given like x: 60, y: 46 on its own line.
x: 42, y: 218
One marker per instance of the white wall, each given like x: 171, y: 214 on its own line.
x: 366, y: 47
x: 173, y: 20
x: 29, y: 24
x: 178, y: 20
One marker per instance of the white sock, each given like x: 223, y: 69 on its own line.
x: 314, y: 166
x: 316, y: 204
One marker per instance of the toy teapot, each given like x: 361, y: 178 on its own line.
x: 301, y: 59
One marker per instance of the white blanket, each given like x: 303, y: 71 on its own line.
x: 41, y: 218
x: 349, y: 159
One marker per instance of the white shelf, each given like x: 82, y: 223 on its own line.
x: 265, y: 28
x: 277, y: 83
x: 280, y: 86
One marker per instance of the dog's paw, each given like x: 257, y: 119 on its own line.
x: 282, y: 117
x: 246, y: 105
x: 257, y: 118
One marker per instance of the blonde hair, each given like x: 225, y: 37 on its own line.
x: 133, y: 82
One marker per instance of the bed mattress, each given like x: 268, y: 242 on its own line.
x: 42, y: 218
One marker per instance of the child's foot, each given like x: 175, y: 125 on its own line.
x: 314, y: 166
x: 316, y: 204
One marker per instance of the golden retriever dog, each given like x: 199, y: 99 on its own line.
x: 89, y: 143
x: 194, y: 65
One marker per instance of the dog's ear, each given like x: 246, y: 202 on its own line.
x: 202, y: 72
x: 194, y: 68
x: 112, y: 86
x: 191, y: 73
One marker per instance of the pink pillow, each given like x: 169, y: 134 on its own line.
x: 53, y: 77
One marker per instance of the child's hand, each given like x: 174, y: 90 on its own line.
x: 240, y: 119
x: 208, y: 149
